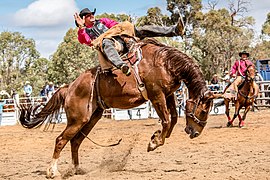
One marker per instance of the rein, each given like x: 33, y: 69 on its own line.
x: 192, y: 114
x: 246, y: 95
x: 110, y: 145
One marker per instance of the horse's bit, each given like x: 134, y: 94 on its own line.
x: 192, y: 114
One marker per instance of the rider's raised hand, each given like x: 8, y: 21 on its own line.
x: 80, y: 21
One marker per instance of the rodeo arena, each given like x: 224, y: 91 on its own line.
x: 116, y: 148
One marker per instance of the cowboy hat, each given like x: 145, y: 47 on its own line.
x: 244, y: 52
x: 86, y: 11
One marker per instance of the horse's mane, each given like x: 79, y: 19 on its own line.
x: 181, y: 66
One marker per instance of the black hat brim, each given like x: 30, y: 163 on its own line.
x: 87, y: 11
x: 240, y: 54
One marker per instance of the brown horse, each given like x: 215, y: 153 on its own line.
x: 162, y: 69
x: 245, y: 98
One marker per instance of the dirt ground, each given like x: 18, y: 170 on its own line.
x: 219, y: 153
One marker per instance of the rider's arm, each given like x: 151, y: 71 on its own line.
x: 83, y: 37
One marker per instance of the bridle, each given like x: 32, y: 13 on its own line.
x: 192, y: 115
x: 248, y: 79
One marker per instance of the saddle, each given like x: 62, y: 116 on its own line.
x: 132, y: 55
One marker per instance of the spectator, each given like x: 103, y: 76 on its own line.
x: 2, y: 103
x: 49, y: 90
x: 43, y: 94
x: 214, y: 83
x: 15, y: 96
x: 27, y: 89
x: 227, y: 78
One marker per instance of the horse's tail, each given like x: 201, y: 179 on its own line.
x: 30, y: 119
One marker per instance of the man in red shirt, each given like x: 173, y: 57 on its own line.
x: 91, y: 28
x: 238, y: 71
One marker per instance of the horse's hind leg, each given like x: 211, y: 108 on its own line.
x: 172, y: 107
x: 227, y: 112
x: 74, y: 124
x: 236, y: 113
x: 158, y: 137
x: 77, y: 140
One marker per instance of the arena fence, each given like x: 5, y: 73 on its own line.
x: 9, y: 114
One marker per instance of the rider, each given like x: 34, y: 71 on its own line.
x: 238, y: 71
x: 91, y: 28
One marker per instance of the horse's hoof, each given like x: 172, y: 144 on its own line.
x: 241, y: 124
x: 229, y: 124
x: 155, y: 141
x: 51, y: 174
x: 151, y: 146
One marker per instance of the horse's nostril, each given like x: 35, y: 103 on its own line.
x: 196, y: 134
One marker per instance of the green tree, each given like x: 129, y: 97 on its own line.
x: 18, y: 56
x: 220, y: 38
x: 71, y: 59
x: 154, y: 17
x: 266, y: 26
x: 262, y: 48
x: 117, y: 17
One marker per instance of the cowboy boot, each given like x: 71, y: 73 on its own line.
x: 125, y: 69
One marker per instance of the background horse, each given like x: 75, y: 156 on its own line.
x: 162, y: 69
x: 245, y: 98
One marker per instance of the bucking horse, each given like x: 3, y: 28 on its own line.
x: 162, y: 69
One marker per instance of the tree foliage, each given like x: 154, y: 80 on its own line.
x: 154, y: 17
x: 266, y: 26
x: 71, y: 59
x: 19, y: 59
x: 220, y: 38
x: 213, y: 37
x: 116, y: 17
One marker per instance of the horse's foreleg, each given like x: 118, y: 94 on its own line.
x: 236, y: 113
x: 77, y: 140
x: 158, y: 138
x: 245, y: 112
x: 172, y: 107
x: 241, y: 120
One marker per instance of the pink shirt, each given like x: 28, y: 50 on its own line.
x: 84, y: 38
x: 240, y: 68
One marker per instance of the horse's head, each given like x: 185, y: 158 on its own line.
x: 250, y: 73
x: 197, y: 112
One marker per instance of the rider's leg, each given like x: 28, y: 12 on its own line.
x: 236, y: 83
x: 112, y: 55
x: 160, y: 31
